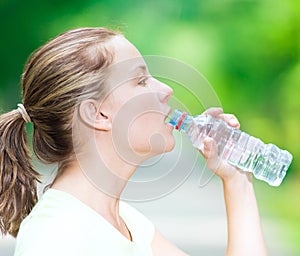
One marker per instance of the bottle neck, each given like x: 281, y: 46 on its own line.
x: 182, y: 120
x: 185, y: 124
x: 199, y: 121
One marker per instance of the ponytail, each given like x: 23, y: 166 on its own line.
x: 56, y: 78
x: 18, y: 179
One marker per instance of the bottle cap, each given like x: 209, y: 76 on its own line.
x: 178, y: 125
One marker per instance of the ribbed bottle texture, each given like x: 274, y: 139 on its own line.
x: 266, y: 161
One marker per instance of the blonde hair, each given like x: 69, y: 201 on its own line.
x: 56, y: 78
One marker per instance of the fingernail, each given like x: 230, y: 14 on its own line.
x: 207, y: 144
x: 233, y: 122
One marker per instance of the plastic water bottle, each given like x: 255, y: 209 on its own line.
x: 266, y: 161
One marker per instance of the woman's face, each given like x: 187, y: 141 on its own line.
x: 138, y: 105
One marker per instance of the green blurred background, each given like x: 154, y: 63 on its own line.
x: 249, y: 50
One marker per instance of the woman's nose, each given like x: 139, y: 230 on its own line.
x: 165, y: 92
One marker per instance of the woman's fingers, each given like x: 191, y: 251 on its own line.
x: 214, y: 163
x: 213, y: 111
x: 230, y: 119
x: 211, y: 154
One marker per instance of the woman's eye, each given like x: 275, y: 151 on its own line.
x: 143, y: 81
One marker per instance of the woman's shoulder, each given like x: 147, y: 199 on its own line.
x: 58, y: 208
x: 62, y: 225
x: 55, y: 212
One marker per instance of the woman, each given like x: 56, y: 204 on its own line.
x: 91, y: 99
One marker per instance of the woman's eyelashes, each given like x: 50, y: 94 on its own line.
x: 143, y: 80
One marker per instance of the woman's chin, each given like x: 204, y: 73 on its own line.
x: 170, y: 146
x: 167, y: 147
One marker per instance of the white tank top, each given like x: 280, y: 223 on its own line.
x: 62, y: 225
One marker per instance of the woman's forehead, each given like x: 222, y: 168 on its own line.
x: 124, y: 50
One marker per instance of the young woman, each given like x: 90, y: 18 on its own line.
x: 98, y: 113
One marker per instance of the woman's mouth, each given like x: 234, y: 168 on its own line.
x: 168, y: 116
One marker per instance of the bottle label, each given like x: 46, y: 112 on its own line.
x: 181, y: 121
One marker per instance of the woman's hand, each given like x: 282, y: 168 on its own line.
x: 221, y: 168
x: 244, y: 231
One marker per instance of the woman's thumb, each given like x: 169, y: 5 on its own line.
x: 211, y: 154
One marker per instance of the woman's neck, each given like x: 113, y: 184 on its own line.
x: 74, y: 181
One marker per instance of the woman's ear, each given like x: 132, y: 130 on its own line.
x: 91, y: 115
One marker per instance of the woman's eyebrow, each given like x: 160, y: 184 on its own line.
x: 138, y: 68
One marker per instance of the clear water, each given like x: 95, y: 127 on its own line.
x: 266, y: 161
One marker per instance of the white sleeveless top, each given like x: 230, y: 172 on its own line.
x: 62, y: 225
